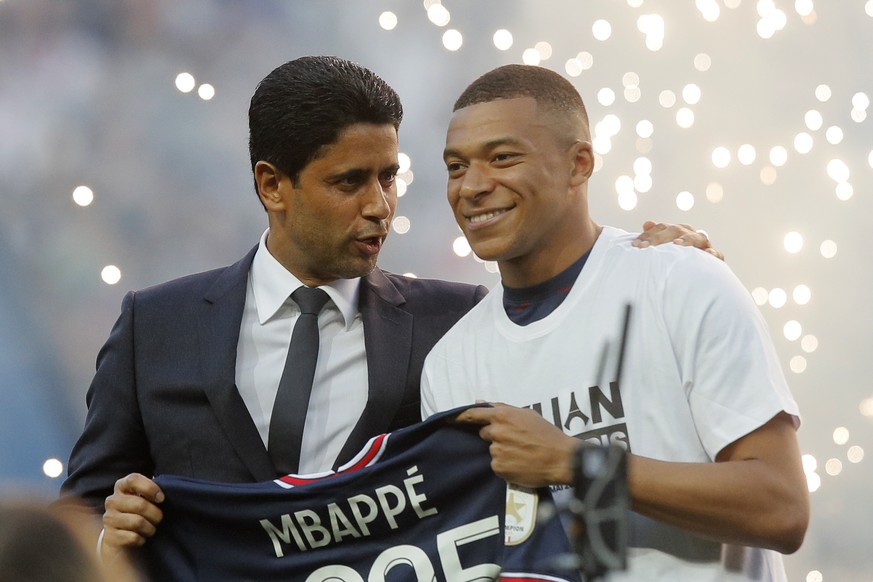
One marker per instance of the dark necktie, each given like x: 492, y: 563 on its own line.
x: 292, y: 398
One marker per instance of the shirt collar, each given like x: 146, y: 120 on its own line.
x: 272, y: 283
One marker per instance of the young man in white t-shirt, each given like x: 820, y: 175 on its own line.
x: 702, y: 408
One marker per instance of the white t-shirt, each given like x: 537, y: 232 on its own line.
x: 699, y: 372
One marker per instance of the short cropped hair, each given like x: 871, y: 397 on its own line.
x: 301, y: 107
x: 548, y: 88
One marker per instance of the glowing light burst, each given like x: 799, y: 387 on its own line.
x: 759, y: 296
x: 803, y: 143
x: 797, y: 364
x: 834, y: 135
x: 813, y: 120
x: 691, y: 94
x: 838, y: 170
x: 844, y: 191
x: 778, y: 156
x: 667, y: 99
x: 53, y: 468
x: 110, y: 274
x: 801, y: 294
x: 709, y: 9
x: 388, y: 20
x: 828, y: 249
x: 721, y: 157
x: 652, y: 26
x: 793, y: 242
x: 803, y: 7
x: 401, y: 224
x: 531, y: 56
x: 573, y: 67
x: 206, y: 91
x: 438, y: 14
x: 503, y: 39
x: 792, y: 330
x: 461, y: 247
x: 185, y: 82
x: 404, y: 162
x: 452, y: 39
x: 544, y: 49
x: 684, y: 117
x: 714, y: 192
x: 685, y: 201
x: 768, y: 175
x: 645, y: 128
x: 746, y: 154
x: 810, y: 466
x: 601, y: 29
x: 606, y: 96
x: 777, y: 298
x: 83, y: 195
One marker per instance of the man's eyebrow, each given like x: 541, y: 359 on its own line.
x: 360, y: 173
x: 487, y: 146
x: 354, y: 173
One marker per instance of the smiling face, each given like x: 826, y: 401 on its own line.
x: 517, y: 186
x: 331, y: 224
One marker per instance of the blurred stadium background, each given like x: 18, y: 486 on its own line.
x: 123, y: 163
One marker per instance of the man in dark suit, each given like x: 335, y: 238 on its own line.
x: 187, y: 380
x: 165, y: 397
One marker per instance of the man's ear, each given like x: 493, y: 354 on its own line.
x: 270, y: 180
x: 583, y: 161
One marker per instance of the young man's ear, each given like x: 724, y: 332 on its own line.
x: 583, y: 162
x: 269, y: 179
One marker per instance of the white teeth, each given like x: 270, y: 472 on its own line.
x: 484, y: 217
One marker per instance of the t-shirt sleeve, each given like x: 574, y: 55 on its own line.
x: 729, y: 366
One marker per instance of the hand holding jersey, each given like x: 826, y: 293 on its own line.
x: 525, y: 449
x: 132, y: 514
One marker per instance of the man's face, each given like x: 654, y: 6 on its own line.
x: 509, y: 172
x: 337, y: 216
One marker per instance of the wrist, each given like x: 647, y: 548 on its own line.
x: 565, y: 465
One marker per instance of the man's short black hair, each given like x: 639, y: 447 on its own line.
x: 548, y: 88
x: 302, y: 106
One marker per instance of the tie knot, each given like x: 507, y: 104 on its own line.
x: 310, y: 299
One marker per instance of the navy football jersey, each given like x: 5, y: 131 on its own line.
x: 417, y: 504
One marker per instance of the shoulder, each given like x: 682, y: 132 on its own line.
x: 436, y: 292
x: 663, y: 261
x: 206, y: 284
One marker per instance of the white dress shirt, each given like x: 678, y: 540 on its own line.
x: 339, y: 389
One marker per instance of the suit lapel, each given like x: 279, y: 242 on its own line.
x: 388, y: 342
x: 219, y: 333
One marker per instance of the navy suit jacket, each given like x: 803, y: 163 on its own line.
x: 164, y: 401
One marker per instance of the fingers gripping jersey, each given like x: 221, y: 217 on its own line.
x: 418, y: 504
